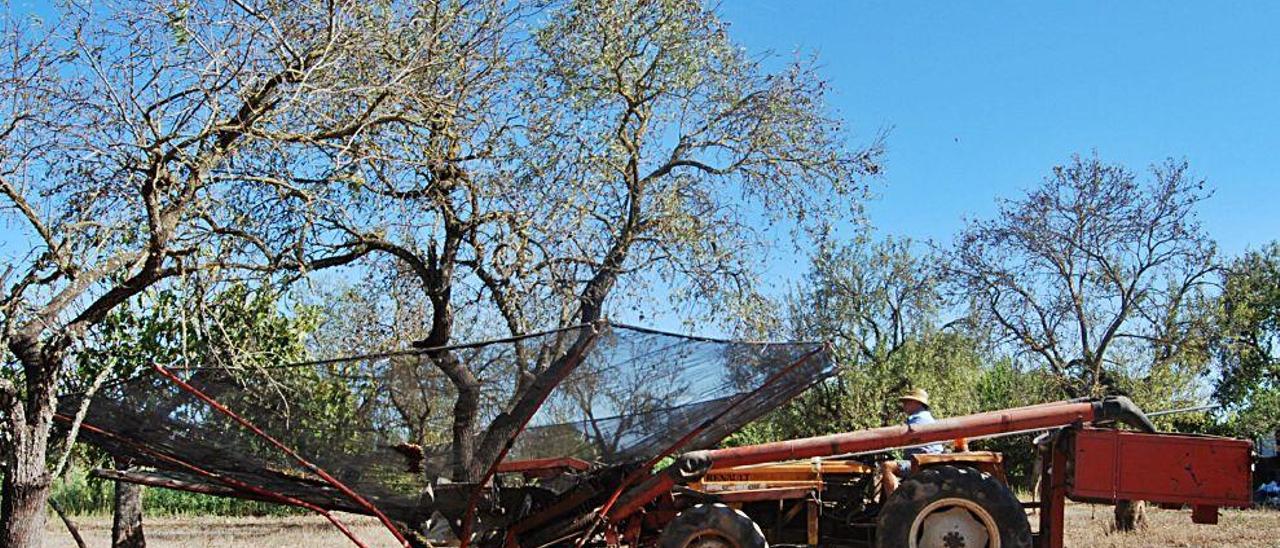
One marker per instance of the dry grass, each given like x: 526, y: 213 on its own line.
x: 1086, y: 527
x: 201, y: 532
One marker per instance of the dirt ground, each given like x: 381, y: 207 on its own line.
x: 1086, y: 527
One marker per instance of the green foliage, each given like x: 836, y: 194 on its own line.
x: 1249, y: 381
x: 866, y: 397
x: 240, y: 332
x: 1002, y: 385
x: 236, y: 328
x: 80, y: 494
x: 178, y: 16
x: 878, y: 303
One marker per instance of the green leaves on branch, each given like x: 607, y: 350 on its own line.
x: 1249, y: 381
x: 237, y: 328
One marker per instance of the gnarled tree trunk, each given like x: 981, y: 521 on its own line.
x: 29, y: 418
x: 26, y: 490
x: 1130, y: 515
x: 126, y: 523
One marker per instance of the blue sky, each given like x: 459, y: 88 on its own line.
x: 983, y: 98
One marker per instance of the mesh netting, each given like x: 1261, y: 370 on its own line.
x: 608, y: 395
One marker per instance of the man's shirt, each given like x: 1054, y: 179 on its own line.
x: 922, y: 416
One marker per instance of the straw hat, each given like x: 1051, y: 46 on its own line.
x: 917, y: 394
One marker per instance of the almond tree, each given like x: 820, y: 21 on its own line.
x: 144, y: 140
x: 610, y: 144
x: 1092, y: 271
x: 881, y: 305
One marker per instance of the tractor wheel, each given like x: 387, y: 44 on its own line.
x: 712, y: 526
x: 952, y: 507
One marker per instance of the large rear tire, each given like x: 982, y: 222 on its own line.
x: 952, y: 507
x: 712, y: 526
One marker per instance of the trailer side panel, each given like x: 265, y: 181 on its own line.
x: 1111, y: 465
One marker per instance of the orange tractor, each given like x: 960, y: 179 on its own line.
x: 815, y: 492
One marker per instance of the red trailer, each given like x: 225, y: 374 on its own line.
x: 796, y: 493
x: 1173, y: 470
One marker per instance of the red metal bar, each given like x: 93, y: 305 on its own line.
x: 1035, y: 417
x: 341, y: 487
x: 1043, y: 416
x: 230, y: 482
x: 1053, y: 493
x: 538, y: 465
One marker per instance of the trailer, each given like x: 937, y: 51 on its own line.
x: 818, y: 492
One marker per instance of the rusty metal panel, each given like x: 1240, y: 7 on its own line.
x: 1110, y: 465
x: 1094, y: 465
x: 785, y: 471
x: 551, y: 465
x: 759, y: 495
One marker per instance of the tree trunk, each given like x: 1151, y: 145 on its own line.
x: 1130, y: 515
x: 126, y: 524
x: 26, y: 491
x: 26, y: 479
x: 29, y: 420
x: 465, y: 409
x: 505, y: 425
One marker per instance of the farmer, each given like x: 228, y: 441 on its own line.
x: 915, y: 405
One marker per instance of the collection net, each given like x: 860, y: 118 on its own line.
x: 383, y: 425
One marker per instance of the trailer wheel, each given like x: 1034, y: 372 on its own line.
x: 712, y: 526
x: 952, y: 507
